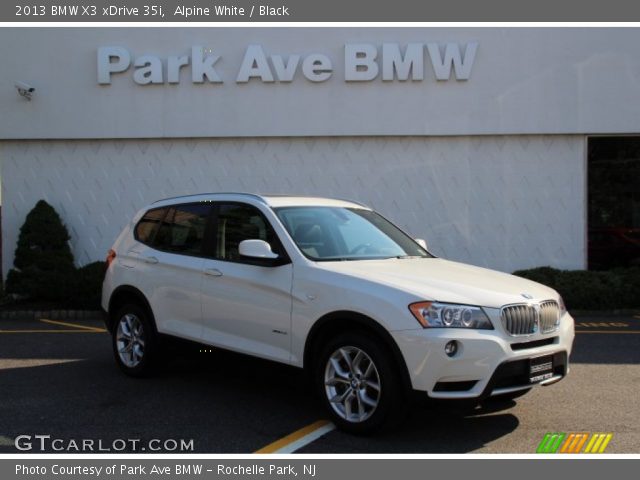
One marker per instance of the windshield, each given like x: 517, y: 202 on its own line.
x: 335, y: 233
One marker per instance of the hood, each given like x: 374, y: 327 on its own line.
x: 445, y: 281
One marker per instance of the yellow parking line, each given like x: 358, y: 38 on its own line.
x: 52, y: 331
x: 602, y: 324
x: 612, y: 332
x: 73, y: 325
x: 75, y: 328
x: 299, y: 438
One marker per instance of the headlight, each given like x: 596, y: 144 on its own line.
x: 563, y: 308
x: 447, y: 315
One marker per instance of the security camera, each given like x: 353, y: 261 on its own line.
x: 25, y: 90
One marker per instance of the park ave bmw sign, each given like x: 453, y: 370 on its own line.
x: 363, y: 62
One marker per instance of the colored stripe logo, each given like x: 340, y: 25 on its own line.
x: 574, y: 443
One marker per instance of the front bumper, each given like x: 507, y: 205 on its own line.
x: 488, y: 362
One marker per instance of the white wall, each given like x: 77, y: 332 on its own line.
x: 523, y: 81
x: 503, y: 202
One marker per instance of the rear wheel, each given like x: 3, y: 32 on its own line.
x: 134, y: 341
x: 357, y: 383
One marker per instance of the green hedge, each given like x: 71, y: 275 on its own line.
x: 79, y: 289
x: 88, y: 286
x: 591, y: 290
x: 44, y: 269
x: 43, y: 262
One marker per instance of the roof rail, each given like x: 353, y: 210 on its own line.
x: 354, y: 201
x: 258, y: 197
x: 310, y: 195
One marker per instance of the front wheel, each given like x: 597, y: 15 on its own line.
x: 134, y: 341
x: 357, y: 383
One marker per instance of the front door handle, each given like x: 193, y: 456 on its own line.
x: 212, y: 272
x: 151, y: 260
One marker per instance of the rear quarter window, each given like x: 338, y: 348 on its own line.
x: 148, y: 225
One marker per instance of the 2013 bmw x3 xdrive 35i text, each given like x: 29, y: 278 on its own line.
x: 333, y: 287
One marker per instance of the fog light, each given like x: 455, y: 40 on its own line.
x: 451, y: 348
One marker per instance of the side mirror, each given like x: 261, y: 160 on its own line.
x: 256, y: 249
x: 421, y: 242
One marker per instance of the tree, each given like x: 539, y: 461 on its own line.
x: 43, y: 262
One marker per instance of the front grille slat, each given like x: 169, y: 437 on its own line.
x: 549, y: 316
x: 523, y: 319
x: 512, y: 319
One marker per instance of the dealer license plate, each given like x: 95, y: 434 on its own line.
x: 540, y: 368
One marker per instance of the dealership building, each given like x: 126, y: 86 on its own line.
x: 507, y: 148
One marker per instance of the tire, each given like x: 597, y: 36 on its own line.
x: 358, y: 383
x: 134, y: 341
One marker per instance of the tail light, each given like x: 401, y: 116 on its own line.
x: 111, y: 255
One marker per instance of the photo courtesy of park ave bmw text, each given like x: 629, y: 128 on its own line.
x: 353, y: 239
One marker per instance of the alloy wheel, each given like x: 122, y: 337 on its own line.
x: 352, y: 384
x: 130, y: 341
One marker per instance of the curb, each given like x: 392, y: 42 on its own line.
x: 50, y: 314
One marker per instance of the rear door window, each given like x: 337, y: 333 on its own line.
x: 183, y: 229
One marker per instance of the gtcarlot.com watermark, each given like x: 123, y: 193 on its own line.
x: 45, y: 443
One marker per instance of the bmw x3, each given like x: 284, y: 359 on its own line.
x: 335, y: 288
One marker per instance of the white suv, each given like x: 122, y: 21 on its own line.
x: 334, y: 287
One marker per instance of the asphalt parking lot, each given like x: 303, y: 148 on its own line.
x: 59, y: 379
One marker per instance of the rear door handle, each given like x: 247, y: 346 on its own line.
x: 151, y: 260
x: 212, y: 272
